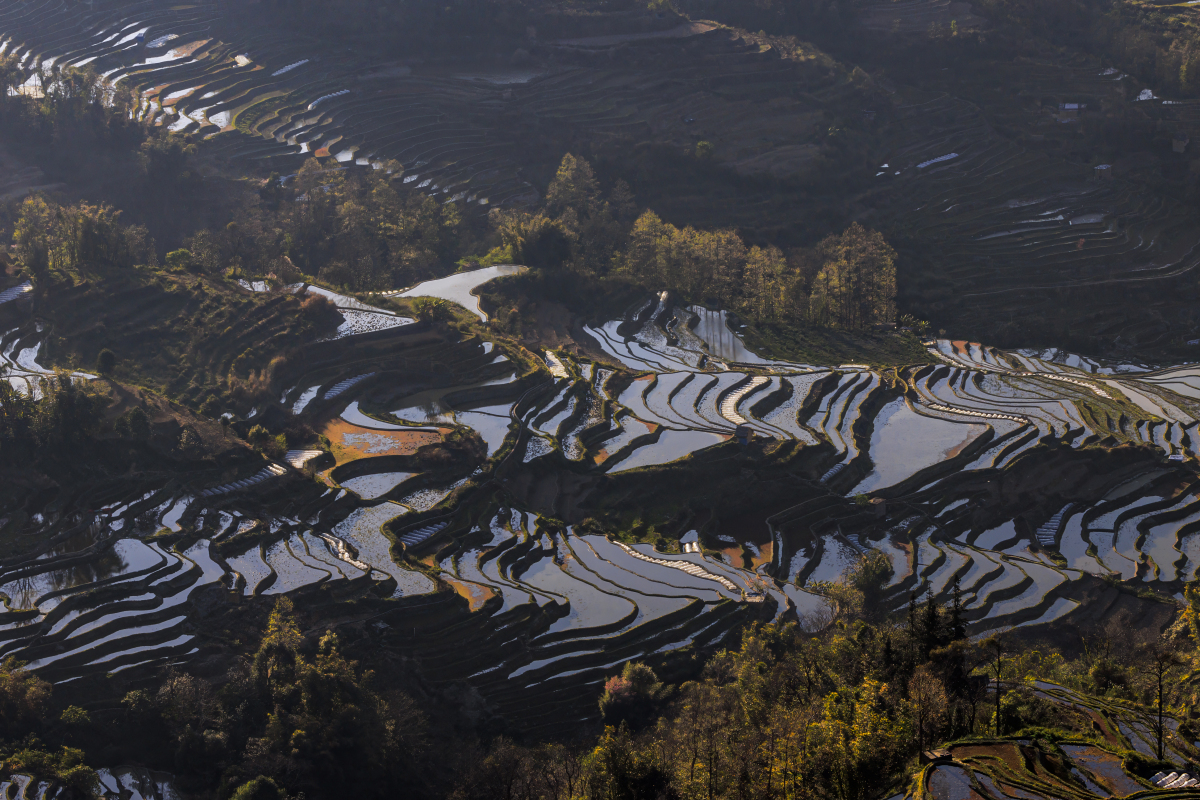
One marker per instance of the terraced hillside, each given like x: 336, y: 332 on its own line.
x: 463, y: 486
x: 515, y: 526
x: 991, y: 199
x: 1081, y: 768
x: 918, y: 17
x: 1009, y: 223
x: 916, y: 436
x: 996, y: 769
x: 460, y: 136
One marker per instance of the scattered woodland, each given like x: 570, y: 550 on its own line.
x: 786, y: 712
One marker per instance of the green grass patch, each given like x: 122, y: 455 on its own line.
x: 183, y: 335
x: 832, y: 346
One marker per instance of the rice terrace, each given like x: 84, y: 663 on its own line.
x: 600, y: 399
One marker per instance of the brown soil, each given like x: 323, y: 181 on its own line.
x: 554, y: 327
x: 603, y: 455
x: 973, y: 433
x: 473, y: 593
x: 1100, y: 727
x: 765, y: 553
x: 1109, y: 772
x: 736, y: 556
x: 350, y: 442
x: 1005, y: 752
x: 732, y: 554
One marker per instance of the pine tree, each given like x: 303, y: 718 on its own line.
x: 958, y: 628
x: 913, y: 637
x: 931, y: 625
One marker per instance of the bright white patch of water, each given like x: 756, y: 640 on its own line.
x: 460, y: 288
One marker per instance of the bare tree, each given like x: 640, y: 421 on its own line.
x: 1158, y: 660
x: 928, y: 697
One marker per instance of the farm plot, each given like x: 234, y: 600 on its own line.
x: 461, y: 288
x: 362, y: 531
x: 905, y: 442
x: 349, y: 442
x: 1036, y: 221
x: 605, y: 602
x: 1008, y: 768
x: 138, y: 622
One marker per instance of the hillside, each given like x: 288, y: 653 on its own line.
x: 588, y: 400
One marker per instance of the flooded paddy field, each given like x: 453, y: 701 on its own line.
x: 349, y: 442
x: 461, y: 478
x: 510, y: 524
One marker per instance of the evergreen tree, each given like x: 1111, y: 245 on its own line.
x: 913, y: 636
x: 931, y: 625
x: 957, y: 629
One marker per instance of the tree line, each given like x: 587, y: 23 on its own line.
x: 365, y: 230
x: 52, y: 238
x: 62, y: 414
x: 848, y: 280
x: 1153, y: 43
x: 839, y: 714
x: 361, y: 231
x: 833, y: 707
x: 294, y: 717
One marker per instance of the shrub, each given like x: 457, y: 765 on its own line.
x: 261, y: 788
x: 23, y: 696
x: 189, y: 441
x: 432, y: 309
x: 497, y: 255
x: 1143, y: 766
x: 74, y: 715
x: 258, y: 436
x: 133, y: 424
x: 631, y: 697
x: 534, y: 239
x: 277, y: 447
x: 317, y: 307
x: 179, y: 260
x: 65, y: 766
x: 106, y: 361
